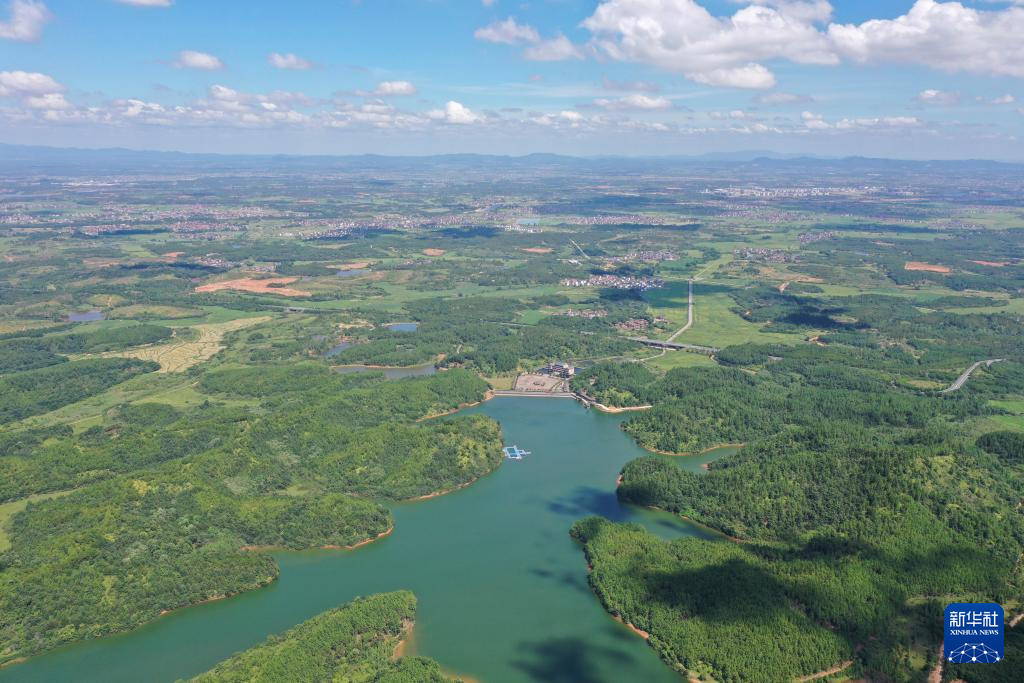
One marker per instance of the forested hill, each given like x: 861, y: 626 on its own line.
x: 165, y: 500
x: 861, y: 506
x: 355, y: 642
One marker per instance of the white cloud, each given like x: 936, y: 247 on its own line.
x: 635, y: 102
x: 394, y: 89
x: 508, y: 32
x: 26, y: 22
x: 814, y: 121
x: 879, y: 122
x: 289, y: 61
x: 190, y: 59
x: 731, y: 51
x: 802, y: 10
x: 488, y: 3
x: 683, y: 37
x: 942, y: 35
x: 22, y: 83
x: 556, y: 49
x: 1003, y: 99
x: 817, y: 122
x: 454, y: 112
x: 938, y: 98
x: 53, y: 100
x: 147, y: 3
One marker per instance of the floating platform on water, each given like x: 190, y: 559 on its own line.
x: 515, y: 452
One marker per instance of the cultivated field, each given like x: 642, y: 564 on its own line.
x: 273, y: 285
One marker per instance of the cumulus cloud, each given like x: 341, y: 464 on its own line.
x: 20, y: 83
x: 511, y: 32
x: 637, y: 102
x: 938, y: 98
x: 454, y: 112
x: 35, y: 90
x: 814, y: 121
x: 943, y: 35
x: 52, y: 100
x: 190, y: 59
x: 394, y: 89
x: 26, y: 22
x: 1002, y: 99
x: 507, y: 32
x: 556, y: 49
x: 683, y: 37
x: 289, y: 61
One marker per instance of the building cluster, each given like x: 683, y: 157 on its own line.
x: 634, y: 325
x: 616, y: 282
x: 765, y: 254
x: 522, y: 229
x: 659, y: 255
x: 589, y: 314
x: 213, y: 261
x: 627, y: 219
x: 812, y: 237
x: 563, y: 370
x: 793, y: 192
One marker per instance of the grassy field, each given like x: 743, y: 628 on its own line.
x: 178, y: 356
x: 679, y: 359
x: 714, y: 322
x: 1014, y: 421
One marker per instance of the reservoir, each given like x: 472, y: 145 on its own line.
x: 503, y: 594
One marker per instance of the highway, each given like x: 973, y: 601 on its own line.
x: 962, y: 379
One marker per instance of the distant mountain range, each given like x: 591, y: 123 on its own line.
x: 56, y: 159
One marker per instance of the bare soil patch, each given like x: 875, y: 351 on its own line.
x: 355, y: 265
x: 434, y: 252
x: 539, y: 250
x: 927, y: 267
x: 273, y: 285
x: 529, y: 382
x: 992, y: 264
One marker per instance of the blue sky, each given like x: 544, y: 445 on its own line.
x: 901, y: 78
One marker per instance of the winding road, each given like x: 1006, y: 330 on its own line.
x: 962, y: 379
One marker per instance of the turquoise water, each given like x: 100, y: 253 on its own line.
x: 403, y: 327
x: 503, y: 594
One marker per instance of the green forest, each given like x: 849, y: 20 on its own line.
x: 859, y: 503
x: 355, y: 643
x: 166, y: 502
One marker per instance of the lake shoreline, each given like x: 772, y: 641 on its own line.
x: 692, y: 454
x: 488, y: 395
x: 282, y: 549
